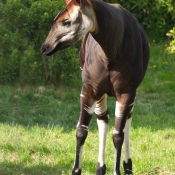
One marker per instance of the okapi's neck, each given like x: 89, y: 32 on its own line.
x: 110, y: 27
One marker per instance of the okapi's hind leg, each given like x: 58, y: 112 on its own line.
x: 123, y: 110
x: 127, y: 163
x: 102, y: 121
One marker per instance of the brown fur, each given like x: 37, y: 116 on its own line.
x: 113, y: 57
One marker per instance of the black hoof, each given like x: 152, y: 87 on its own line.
x: 128, y: 167
x: 76, y: 172
x: 101, y: 170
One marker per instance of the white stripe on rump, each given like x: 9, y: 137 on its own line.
x: 90, y: 110
x: 101, y: 105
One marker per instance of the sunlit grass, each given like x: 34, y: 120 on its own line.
x: 37, y: 126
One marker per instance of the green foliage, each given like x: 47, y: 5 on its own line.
x: 156, y: 16
x: 171, y: 48
x: 24, y: 26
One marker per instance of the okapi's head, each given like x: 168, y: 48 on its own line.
x: 71, y: 24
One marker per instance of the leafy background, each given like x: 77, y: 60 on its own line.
x: 24, y: 26
x: 37, y: 122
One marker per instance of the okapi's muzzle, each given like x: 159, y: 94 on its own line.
x: 47, y: 50
x: 44, y: 49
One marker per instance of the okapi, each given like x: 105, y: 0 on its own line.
x: 113, y: 57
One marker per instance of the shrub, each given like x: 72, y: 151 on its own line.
x: 24, y: 26
x: 171, y: 48
x: 156, y: 16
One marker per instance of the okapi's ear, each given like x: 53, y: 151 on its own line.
x: 67, y: 1
x: 80, y: 2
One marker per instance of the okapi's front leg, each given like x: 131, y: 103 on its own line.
x: 102, y: 121
x: 87, y: 105
x: 123, y: 110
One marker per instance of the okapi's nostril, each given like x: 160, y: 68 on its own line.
x: 44, y: 48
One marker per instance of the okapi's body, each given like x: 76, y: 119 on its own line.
x: 113, y: 58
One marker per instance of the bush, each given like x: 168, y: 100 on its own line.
x: 156, y: 16
x: 24, y: 26
x: 171, y: 48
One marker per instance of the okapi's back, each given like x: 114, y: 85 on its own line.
x: 137, y: 38
x: 125, y: 50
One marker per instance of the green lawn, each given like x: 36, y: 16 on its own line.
x: 37, y: 126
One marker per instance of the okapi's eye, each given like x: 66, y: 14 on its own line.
x: 66, y: 23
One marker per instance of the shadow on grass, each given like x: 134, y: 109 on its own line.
x: 60, y: 109
x: 66, y: 117
x: 8, y: 168
x: 21, y: 169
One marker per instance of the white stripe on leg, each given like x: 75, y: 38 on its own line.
x: 80, y: 160
x: 119, y: 109
x: 80, y: 157
x: 115, y: 160
x: 103, y: 128
x: 127, y: 140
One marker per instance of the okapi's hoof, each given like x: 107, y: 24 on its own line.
x: 117, y: 173
x: 128, y: 167
x: 101, y: 170
x: 76, y: 172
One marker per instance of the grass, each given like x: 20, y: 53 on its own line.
x: 37, y: 126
